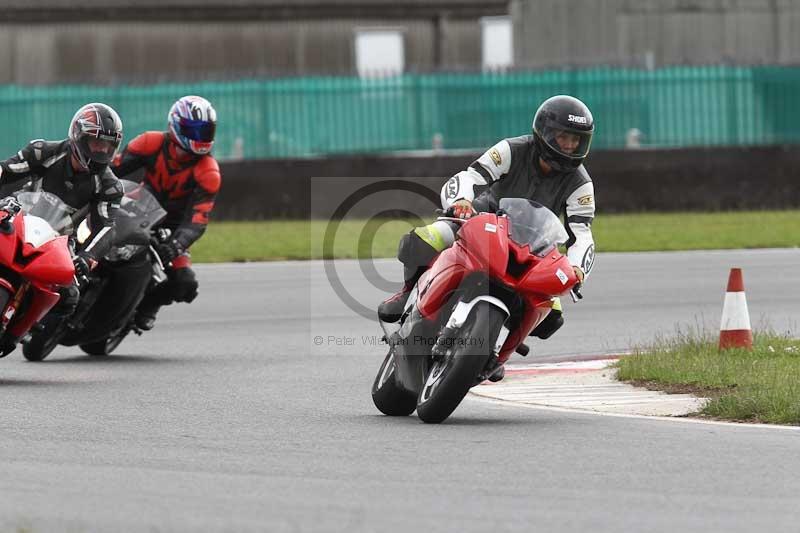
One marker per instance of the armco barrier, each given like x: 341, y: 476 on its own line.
x: 699, y: 179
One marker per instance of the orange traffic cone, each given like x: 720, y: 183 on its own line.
x: 735, y: 328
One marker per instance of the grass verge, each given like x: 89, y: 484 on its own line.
x: 762, y: 385
x: 290, y: 239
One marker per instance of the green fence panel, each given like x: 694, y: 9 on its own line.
x: 299, y: 117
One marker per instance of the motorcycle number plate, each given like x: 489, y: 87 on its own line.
x: 561, y: 276
x: 491, y: 228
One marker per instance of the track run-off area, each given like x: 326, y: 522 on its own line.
x: 250, y: 410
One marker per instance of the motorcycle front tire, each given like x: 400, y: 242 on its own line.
x: 43, y: 341
x: 450, y: 378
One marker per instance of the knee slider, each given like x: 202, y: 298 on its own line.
x: 420, y: 246
x: 414, y: 252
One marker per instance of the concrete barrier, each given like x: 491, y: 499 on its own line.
x: 699, y: 179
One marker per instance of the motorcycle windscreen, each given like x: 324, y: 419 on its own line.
x: 533, y: 224
x: 48, y: 207
x: 140, y: 203
x: 38, y: 231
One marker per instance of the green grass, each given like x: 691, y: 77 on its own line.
x: 697, y: 231
x: 281, y: 239
x: 762, y: 385
x: 289, y: 239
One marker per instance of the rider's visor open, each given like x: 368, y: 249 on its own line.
x: 101, y: 148
x: 573, y: 143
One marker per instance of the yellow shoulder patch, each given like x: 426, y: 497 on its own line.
x: 586, y: 200
x: 495, y: 155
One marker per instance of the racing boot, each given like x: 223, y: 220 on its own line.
x: 391, y: 309
x: 551, y: 323
x: 145, y: 317
x: 8, y: 345
x: 498, y: 374
x: 417, y: 251
x: 154, y: 298
x: 494, y: 371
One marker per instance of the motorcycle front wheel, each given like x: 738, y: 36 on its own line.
x: 453, y: 374
x: 45, y: 339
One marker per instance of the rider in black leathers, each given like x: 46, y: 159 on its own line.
x: 76, y: 170
x: 546, y: 167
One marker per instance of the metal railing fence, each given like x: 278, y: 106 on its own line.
x: 298, y: 117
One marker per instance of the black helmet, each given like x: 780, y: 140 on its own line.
x: 557, y: 115
x: 95, y: 134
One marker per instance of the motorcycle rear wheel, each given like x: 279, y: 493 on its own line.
x: 387, y: 396
x: 106, y: 346
x: 450, y: 378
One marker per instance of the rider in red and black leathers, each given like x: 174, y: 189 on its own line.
x: 185, y: 177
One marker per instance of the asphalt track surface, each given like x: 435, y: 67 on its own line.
x: 230, y: 416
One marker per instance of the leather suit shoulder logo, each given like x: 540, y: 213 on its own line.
x: 495, y: 155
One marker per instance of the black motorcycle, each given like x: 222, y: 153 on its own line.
x: 114, y: 289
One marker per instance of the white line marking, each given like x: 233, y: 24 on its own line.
x: 680, y: 420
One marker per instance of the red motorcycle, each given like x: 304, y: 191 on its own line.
x: 35, y: 261
x: 473, y: 309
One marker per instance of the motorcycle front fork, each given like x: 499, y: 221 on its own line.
x: 87, y: 301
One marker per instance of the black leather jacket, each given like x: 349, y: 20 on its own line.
x: 45, y: 165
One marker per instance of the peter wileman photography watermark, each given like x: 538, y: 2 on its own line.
x: 414, y: 340
x: 348, y: 217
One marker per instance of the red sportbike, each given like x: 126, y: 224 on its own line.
x: 35, y: 261
x: 473, y: 309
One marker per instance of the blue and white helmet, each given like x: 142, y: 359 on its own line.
x: 192, y: 123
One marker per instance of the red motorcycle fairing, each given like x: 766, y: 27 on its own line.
x: 49, y: 264
x: 484, y: 246
x: 44, y: 266
x: 486, y: 237
x: 42, y: 300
